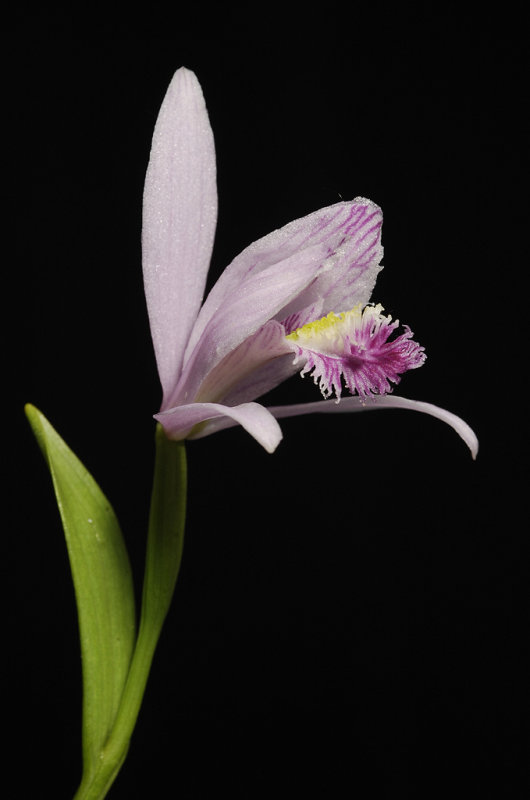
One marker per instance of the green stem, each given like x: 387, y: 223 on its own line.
x: 164, y: 553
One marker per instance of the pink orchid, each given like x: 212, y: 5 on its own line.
x: 296, y: 300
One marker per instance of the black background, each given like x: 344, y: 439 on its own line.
x: 352, y: 613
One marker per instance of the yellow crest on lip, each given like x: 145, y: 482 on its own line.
x: 332, y: 324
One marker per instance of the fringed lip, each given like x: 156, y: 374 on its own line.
x: 355, y: 347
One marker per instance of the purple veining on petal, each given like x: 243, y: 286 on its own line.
x: 294, y: 321
x: 351, y: 279
x: 326, y: 221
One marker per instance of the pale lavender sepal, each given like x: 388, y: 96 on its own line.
x: 253, y: 417
x: 351, y: 404
x: 179, y: 218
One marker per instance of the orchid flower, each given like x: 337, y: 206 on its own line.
x: 297, y: 300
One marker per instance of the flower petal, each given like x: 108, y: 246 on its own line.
x: 263, y: 379
x: 349, y: 404
x: 179, y: 218
x: 242, y: 367
x: 275, y: 278
x: 178, y: 423
x: 352, y: 279
x: 251, y: 306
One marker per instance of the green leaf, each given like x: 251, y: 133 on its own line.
x: 103, y: 585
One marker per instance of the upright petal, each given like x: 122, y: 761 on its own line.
x: 348, y: 233
x: 179, y: 218
x: 300, y: 267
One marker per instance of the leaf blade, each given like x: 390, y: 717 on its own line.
x: 103, y: 585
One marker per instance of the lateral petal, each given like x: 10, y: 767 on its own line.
x: 253, y: 417
x: 179, y: 218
